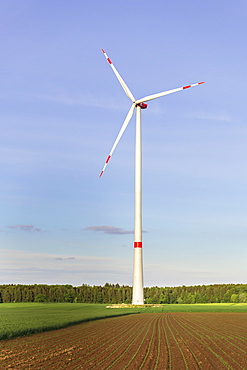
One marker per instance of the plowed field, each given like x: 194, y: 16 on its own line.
x: 143, y: 341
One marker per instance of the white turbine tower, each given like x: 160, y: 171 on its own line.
x: 137, y: 297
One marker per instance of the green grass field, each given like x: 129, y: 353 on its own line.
x: 17, y: 319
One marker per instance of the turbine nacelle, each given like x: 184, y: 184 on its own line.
x: 142, y: 105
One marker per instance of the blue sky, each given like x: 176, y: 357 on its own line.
x: 61, y: 110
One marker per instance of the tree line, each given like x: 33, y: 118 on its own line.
x: 114, y: 293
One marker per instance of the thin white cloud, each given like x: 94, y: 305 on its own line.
x: 109, y: 230
x: 216, y: 116
x: 64, y: 259
x: 86, y: 99
x: 18, y: 266
x: 25, y: 228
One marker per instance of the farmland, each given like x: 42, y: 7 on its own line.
x: 161, y: 340
x: 17, y: 319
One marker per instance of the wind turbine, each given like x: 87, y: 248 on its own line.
x: 137, y: 296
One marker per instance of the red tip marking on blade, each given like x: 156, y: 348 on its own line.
x: 137, y: 244
x: 109, y: 61
x: 187, y: 87
x: 103, y: 51
x: 201, y: 83
x: 108, y: 158
x: 101, y: 173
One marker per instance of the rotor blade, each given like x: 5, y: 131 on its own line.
x: 155, y: 96
x: 123, y: 84
x: 125, y: 124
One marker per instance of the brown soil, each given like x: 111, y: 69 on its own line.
x: 142, y: 341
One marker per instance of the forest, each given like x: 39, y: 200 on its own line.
x: 114, y: 293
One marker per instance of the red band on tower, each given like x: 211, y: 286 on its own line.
x: 137, y: 244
